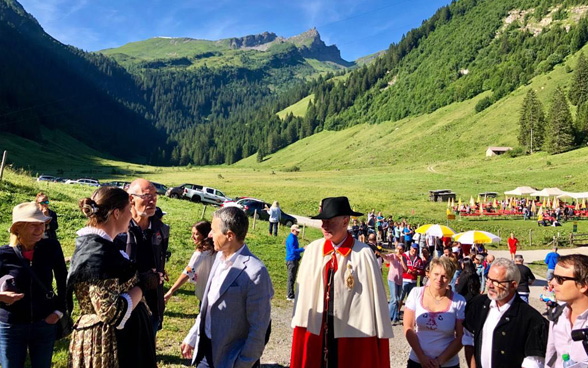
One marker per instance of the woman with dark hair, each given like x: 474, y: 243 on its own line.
x: 29, y: 309
x: 198, y: 269
x: 113, y: 329
x: 51, y: 227
x: 468, y: 283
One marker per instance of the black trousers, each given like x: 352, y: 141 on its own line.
x: 292, y: 271
x: 413, y: 364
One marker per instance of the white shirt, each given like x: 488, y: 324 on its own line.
x: 560, y: 339
x: 219, y: 276
x: 494, y: 315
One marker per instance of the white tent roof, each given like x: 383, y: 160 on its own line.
x: 573, y: 195
x: 519, y: 191
x: 548, y: 192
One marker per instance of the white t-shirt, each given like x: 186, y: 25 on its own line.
x: 435, y: 330
x: 198, y: 270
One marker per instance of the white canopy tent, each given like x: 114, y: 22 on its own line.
x: 572, y: 195
x: 548, y: 192
x: 521, y: 191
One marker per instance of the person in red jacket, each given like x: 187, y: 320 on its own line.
x: 512, y: 245
x: 413, y: 268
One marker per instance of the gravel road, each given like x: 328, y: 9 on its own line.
x: 277, y: 352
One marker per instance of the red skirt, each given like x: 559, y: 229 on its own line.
x: 352, y: 352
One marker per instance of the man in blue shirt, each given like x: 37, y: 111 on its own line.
x: 551, y: 261
x: 292, y: 259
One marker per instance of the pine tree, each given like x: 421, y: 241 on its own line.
x: 579, y: 90
x: 560, y: 129
x: 532, y: 123
x: 582, y: 124
x: 260, y: 154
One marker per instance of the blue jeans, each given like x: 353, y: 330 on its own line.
x: 15, y: 339
x: 406, y: 288
x: 273, y: 226
x: 395, y: 293
x: 549, y: 275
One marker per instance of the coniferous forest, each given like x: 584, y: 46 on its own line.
x: 214, y: 114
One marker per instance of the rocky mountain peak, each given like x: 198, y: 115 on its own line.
x: 251, y: 40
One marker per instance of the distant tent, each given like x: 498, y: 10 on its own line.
x: 520, y: 191
x: 548, y: 192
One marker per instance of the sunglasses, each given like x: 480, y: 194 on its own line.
x: 44, y: 202
x: 561, y: 279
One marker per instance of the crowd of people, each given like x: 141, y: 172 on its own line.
x: 446, y: 295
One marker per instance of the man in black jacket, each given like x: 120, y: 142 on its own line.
x: 507, y: 332
x: 147, y: 242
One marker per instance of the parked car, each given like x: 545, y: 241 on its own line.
x: 60, y: 180
x: 160, y: 188
x: 118, y: 184
x: 46, y: 178
x: 178, y: 192
x: 256, y: 207
x: 205, y: 195
x: 90, y: 182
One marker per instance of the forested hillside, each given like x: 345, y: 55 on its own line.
x: 209, y: 102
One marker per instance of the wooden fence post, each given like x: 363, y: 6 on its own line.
x: 203, y: 212
x: 254, y: 218
x: 530, y: 237
x: 303, y: 230
x: 2, y: 165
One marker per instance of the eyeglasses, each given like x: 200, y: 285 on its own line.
x: 145, y: 196
x: 501, y: 284
x: 44, y: 202
x: 561, y: 279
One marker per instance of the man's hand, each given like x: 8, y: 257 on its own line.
x: 9, y: 297
x: 52, y: 318
x: 186, y: 350
x: 167, y: 296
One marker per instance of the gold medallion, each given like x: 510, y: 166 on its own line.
x: 350, y: 279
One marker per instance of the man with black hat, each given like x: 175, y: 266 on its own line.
x: 340, y: 312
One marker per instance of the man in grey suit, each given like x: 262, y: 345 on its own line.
x: 230, y: 330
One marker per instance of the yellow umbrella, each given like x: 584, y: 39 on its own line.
x: 544, y: 203
x: 494, y: 204
x: 556, y: 203
x: 448, y: 202
x: 548, y: 202
x: 540, y: 211
x: 533, y: 206
x: 478, y: 198
x: 472, y: 203
x: 476, y: 237
x: 459, y: 202
x: 437, y: 230
x: 583, y: 203
x: 577, y: 206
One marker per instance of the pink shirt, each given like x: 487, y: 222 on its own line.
x: 395, y: 272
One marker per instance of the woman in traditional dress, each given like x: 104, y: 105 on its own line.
x: 114, y: 328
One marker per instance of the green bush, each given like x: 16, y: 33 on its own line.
x: 483, y: 104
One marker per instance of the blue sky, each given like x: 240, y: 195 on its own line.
x: 357, y: 27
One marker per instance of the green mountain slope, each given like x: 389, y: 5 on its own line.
x: 452, y: 135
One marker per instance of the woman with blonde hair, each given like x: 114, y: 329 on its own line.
x: 198, y: 269
x: 433, y: 319
x: 29, y: 308
x: 113, y: 329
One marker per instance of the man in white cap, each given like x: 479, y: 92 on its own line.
x: 341, y: 310
x: 293, y: 253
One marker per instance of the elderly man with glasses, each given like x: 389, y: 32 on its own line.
x: 570, y: 283
x: 146, y: 242
x: 504, y: 331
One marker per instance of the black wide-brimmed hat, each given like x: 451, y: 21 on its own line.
x: 333, y: 207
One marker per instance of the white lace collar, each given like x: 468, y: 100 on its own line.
x: 93, y: 230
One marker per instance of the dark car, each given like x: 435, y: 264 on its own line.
x: 178, y: 192
x: 250, y: 206
x: 159, y: 188
x: 118, y: 184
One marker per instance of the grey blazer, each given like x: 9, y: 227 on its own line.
x: 241, y: 315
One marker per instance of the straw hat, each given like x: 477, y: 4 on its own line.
x: 27, y: 212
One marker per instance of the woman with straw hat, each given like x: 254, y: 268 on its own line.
x: 29, y: 308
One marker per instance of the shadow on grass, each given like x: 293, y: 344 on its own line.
x: 172, y: 359
x: 183, y: 315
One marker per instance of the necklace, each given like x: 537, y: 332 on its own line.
x: 437, y: 300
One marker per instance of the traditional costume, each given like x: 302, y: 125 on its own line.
x: 341, y: 309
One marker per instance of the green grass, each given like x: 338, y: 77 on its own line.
x: 297, y: 109
x: 181, y: 310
